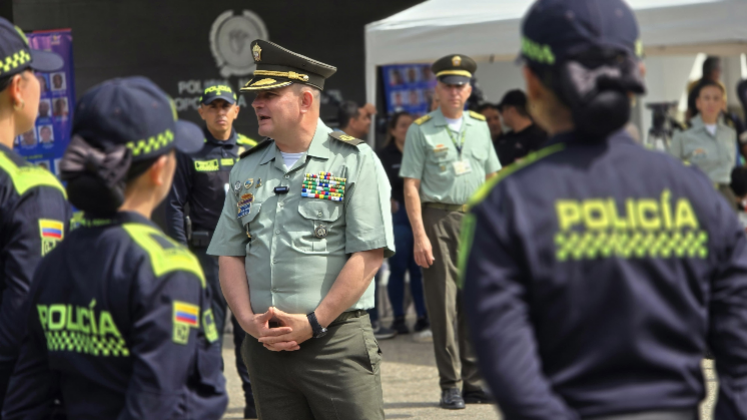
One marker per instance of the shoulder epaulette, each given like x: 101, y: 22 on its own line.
x: 482, y: 192
x: 245, y: 141
x: 29, y: 176
x: 340, y: 136
x: 422, y: 119
x: 477, y: 115
x: 166, y: 255
x: 261, y: 145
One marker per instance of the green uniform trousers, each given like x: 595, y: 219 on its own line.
x: 455, y: 359
x: 335, y: 377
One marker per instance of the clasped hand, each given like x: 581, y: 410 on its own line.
x: 294, y: 329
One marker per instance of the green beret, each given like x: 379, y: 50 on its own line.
x: 278, y: 67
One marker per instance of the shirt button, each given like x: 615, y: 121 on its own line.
x: 287, y: 176
x: 280, y: 205
x: 320, y: 214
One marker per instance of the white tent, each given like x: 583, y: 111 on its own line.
x: 488, y: 30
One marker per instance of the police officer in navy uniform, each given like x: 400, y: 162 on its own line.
x: 120, y: 317
x: 201, y: 182
x: 597, y: 272
x: 34, y: 215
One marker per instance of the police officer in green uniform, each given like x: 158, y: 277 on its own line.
x: 304, y: 228
x: 448, y: 156
x: 200, y: 185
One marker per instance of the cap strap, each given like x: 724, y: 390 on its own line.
x: 287, y: 74
x: 464, y: 73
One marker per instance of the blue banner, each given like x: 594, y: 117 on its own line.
x: 409, y: 87
x: 45, y: 144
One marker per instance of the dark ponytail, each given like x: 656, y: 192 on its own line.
x: 595, y: 86
x: 97, y: 179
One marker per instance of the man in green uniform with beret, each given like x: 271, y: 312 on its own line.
x: 448, y: 156
x: 305, y: 226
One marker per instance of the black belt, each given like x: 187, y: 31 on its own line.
x: 686, y: 414
x: 201, y: 238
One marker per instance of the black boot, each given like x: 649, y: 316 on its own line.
x: 451, y: 399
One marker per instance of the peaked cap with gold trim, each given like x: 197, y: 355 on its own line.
x: 454, y: 69
x: 278, y: 67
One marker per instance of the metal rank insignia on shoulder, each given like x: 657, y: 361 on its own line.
x: 323, y: 186
x: 245, y: 204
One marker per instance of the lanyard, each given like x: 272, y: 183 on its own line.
x: 459, y: 146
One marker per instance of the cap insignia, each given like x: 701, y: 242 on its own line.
x: 264, y: 82
x: 257, y: 52
x: 456, y: 61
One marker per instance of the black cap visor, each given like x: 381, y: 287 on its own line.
x: 210, y: 100
x: 46, y: 61
x: 454, y: 80
x: 188, y: 138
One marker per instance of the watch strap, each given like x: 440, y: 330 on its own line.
x: 315, y: 326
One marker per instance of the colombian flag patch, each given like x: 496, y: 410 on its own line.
x: 51, y: 229
x: 186, y: 314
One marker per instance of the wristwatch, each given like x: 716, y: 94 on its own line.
x: 318, y: 330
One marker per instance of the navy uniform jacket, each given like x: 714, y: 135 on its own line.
x: 596, y: 275
x: 34, y: 218
x: 201, y: 180
x: 120, y: 321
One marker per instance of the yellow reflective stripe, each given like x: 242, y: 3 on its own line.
x: 12, y: 61
x: 246, y: 141
x: 206, y: 165
x: 27, y: 177
x: 466, y: 236
x: 226, y: 162
x: 151, y: 144
x: 484, y: 191
x: 164, y: 260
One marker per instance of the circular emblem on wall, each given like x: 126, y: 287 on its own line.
x: 230, y: 40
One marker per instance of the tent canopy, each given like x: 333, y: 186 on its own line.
x: 489, y: 30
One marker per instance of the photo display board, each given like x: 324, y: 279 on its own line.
x: 45, y: 144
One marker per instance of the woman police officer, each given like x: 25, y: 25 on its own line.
x: 120, y: 317
x: 596, y: 271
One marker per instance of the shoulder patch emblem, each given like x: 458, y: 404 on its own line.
x: 261, y: 145
x: 185, y: 316
x: 339, y: 135
x: 52, y: 232
x: 422, y: 119
x: 477, y: 115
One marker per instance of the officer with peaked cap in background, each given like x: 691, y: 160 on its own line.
x: 120, y: 316
x: 448, y: 155
x: 201, y: 183
x: 34, y: 215
x: 303, y: 231
x: 597, y: 272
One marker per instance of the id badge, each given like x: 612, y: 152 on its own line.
x: 462, y: 167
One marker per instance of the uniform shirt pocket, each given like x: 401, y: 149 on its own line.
x: 321, y: 226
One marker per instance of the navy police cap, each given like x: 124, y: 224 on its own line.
x: 218, y: 92
x: 136, y: 113
x: 16, y: 54
x: 554, y: 30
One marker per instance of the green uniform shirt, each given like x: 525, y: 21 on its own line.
x: 715, y: 155
x: 432, y: 156
x: 299, y: 244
